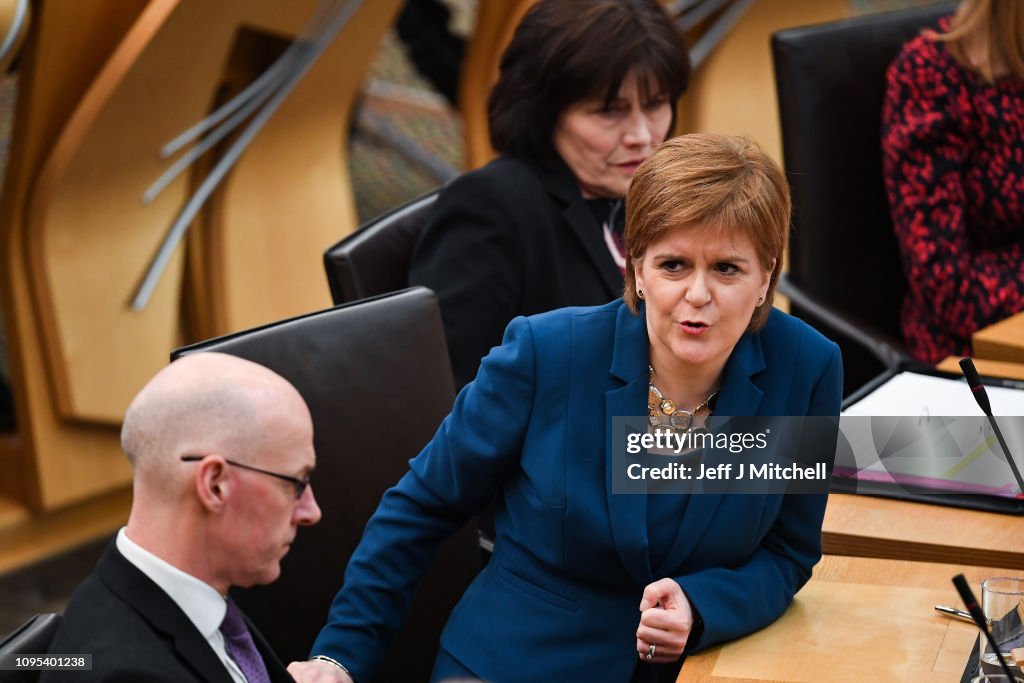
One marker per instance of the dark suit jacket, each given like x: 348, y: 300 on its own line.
x: 512, y: 238
x: 135, y: 632
x: 559, y: 599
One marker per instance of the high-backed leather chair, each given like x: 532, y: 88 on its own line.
x: 844, y: 274
x: 32, y: 637
x: 375, y: 259
x: 377, y: 393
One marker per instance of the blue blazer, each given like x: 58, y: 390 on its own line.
x: 559, y: 599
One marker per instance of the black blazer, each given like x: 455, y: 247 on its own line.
x: 512, y: 238
x: 135, y: 632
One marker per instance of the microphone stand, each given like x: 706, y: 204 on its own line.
x: 978, y: 389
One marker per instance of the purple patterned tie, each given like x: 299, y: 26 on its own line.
x: 240, y: 646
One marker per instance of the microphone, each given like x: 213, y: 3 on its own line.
x: 967, y: 595
x: 974, y: 382
x: 978, y: 389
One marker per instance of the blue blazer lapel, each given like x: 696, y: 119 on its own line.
x: 739, y: 396
x: 628, y: 512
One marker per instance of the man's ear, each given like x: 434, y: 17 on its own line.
x: 213, y: 485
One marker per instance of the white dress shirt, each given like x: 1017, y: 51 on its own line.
x: 200, y: 601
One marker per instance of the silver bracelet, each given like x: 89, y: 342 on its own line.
x: 325, y: 658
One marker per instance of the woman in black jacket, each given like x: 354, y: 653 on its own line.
x: 587, y: 90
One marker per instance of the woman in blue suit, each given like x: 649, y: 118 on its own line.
x: 588, y: 584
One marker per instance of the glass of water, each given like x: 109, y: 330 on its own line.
x: 1002, y: 599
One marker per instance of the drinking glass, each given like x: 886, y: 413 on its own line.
x: 1002, y: 600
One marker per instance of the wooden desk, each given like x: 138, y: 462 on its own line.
x: 990, y: 368
x: 1002, y: 341
x: 879, y: 527
x: 844, y: 604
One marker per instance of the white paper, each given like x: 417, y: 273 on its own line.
x: 909, y: 393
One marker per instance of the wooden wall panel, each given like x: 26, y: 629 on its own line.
x: 289, y: 198
x: 81, y: 457
x: 103, y: 85
x: 733, y: 91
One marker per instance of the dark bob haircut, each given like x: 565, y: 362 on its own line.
x: 567, y: 51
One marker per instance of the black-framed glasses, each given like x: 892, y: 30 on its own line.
x: 300, y: 483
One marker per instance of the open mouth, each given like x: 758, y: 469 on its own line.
x: 693, y: 327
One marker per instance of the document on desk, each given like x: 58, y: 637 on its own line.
x: 909, y: 393
x: 927, y: 434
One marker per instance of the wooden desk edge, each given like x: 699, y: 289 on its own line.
x: 700, y: 667
x: 986, y: 368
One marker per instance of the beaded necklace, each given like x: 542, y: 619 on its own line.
x: 663, y: 412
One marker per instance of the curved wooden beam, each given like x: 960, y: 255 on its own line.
x: 495, y: 23
x: 50, y: 462
x: 86, y: 227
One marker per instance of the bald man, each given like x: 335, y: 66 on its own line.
x: 221, y: 450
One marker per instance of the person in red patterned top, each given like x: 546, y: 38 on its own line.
x: 953, y: 161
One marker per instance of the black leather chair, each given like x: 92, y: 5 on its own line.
x: 377, y: 380
x: 844, y: 274
x: 32, y: 637
x: 375, y: 258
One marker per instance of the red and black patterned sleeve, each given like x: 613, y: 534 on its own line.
x: 929, y: 139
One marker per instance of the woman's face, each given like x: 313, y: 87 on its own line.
x: 701, y: 288
x: 603, y: 145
